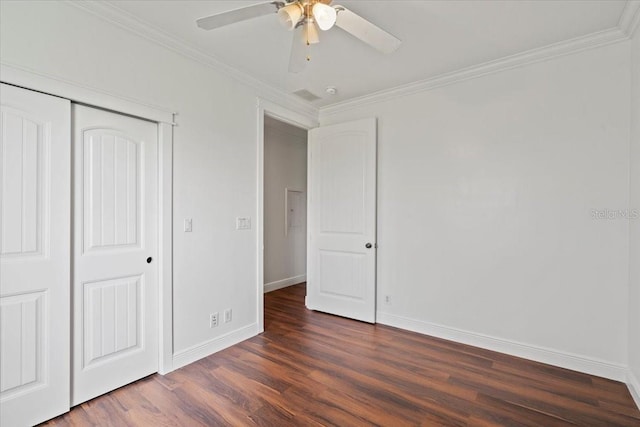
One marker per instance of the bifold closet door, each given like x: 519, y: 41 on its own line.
x: 35, y: 202
x: 115, y: 295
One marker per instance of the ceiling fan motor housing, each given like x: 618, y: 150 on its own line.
x: 307, y: 12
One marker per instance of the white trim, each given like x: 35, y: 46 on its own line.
x: 260, y: 219
x: 119, y: 17
x: 553, y: 357
x: 284, y: 283
x: 165, y: 248
x: 630, y: 18
x: 555, y: 50
x: 53, y: 85
x: 207, y: 348
x: 301, y: 120
x: 634, y: 387
x: 629, y: 23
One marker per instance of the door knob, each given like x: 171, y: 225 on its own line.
x: 149, y: 260
x: 368, y: 246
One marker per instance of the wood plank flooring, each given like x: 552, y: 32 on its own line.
x: 314, y: 369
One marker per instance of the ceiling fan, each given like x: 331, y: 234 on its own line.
x: 306, y: 17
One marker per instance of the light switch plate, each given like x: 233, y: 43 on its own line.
x: 188, y: 225
x: 243, y: 223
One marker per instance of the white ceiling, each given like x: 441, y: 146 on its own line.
x: 438, y: 37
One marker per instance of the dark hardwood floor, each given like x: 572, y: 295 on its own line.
x: 314, y: 369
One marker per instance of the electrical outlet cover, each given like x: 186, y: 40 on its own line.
x: 213, y: 320
x: 243, y: 223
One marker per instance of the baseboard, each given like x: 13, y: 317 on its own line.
x: 539, y: 354
x: 634, y: 387
x: 197, y: 352
x: 279, y: 284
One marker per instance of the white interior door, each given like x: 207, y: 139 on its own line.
x: 35, y: 202
x: 341, y: 262
x: 115, y: 295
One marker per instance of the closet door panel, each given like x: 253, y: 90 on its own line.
x: 34, y: 256
x: 115, y: 279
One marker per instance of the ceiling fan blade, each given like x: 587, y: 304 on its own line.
x: 364, y: 30
x: 299, y: 50
x: 237, y: 15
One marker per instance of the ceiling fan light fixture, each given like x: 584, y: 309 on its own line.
x: 311, y: 32
x: 290, y: 15
x: 324, y: 15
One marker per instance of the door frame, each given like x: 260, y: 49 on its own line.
x: 291, y: 117
x: 164, y: 118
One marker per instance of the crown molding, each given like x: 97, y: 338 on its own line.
x: 628, y: 23
x: 567, y: 47
x: 630, y: 18
x: 116, y: 16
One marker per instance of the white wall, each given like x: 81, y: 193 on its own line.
x: 214, y: 149
x: 485, y: 197
x: 634, y: 233
x: 285, y: 166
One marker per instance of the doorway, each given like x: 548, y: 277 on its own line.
x: 272, y: 115
x: 341, y: 217
x: 285, y: 194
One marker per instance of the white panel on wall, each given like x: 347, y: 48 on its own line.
x: 24, y: 148
x: 112, y: 184
x: 112, y: 317
x: 295, y: 211
x: 342, y: 274
x: 21, y: 343
x: 341, y: 213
